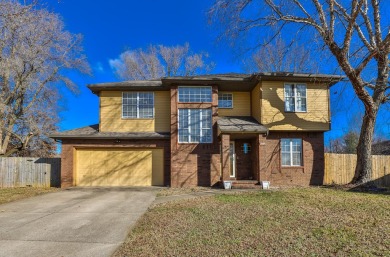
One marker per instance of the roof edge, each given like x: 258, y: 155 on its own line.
x: 54, y: 136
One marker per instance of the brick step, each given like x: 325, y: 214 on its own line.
x: 246, y: 184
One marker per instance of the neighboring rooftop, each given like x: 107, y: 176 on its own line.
x: 381, y: 148
x: 228, y: 81
x: 92, y: 132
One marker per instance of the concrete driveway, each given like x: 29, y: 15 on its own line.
x: 75, y: 222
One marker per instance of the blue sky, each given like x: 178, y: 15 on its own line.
x: 109, y: 27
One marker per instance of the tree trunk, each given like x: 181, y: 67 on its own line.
x: 363, y: 169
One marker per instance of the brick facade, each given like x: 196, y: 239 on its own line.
x: 194, y: 164
x: 190, y: 165
x: 68, y: 146
x: 312, y: 171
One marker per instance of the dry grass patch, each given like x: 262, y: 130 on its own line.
x: 293, y: 222
x: 12, y: 194
x: 181, y: 191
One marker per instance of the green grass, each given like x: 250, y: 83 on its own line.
x: 12, y: 194
x: 293, y: 222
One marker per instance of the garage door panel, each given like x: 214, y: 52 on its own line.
x: 119, y: 167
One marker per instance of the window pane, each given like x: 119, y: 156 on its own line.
x: 286, y: 159
x: 225, y: 100
x: 301, y: 90
x: 296, y: 159
x: 291, y: 151
x: 145, y: 104
x: 129, y: 106
x: 138, y: 105
x: 301, y: 98
x: 295, y: 97
x: 289, y: 90
x: 195, y: 126
x: 301, y: 105
x: 289, y: 104
x: 195, y: 94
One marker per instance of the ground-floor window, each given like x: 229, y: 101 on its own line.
x: 291, y: 151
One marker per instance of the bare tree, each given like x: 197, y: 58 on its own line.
x: 352, y: 31
x: 159, y: 61
x: 277, y: 56
x: 35, y: 53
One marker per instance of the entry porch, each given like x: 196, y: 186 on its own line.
x: 240, y: 139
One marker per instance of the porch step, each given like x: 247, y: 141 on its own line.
x: 246, y: 184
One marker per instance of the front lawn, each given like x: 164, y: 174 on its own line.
x: 12, y: 194
x: 291, y: 222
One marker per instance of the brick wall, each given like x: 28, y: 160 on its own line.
x: 312, y: 171
x: 194, y: 164
x: 68, y: 146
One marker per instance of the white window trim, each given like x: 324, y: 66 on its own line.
x: 232, y: 100
x: 234, y: 159
x: 291, y: 153
x: 189, y: 127
x: 123, y: 117
x: 211, y: 89
x: 295, y: 96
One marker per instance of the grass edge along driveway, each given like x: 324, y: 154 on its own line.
x: 8, y: 195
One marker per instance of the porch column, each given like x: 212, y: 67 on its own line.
x: 225, y: 156
x: 260, y: 155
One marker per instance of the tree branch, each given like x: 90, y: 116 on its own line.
x: 351, y: 25
x: 377, y: 22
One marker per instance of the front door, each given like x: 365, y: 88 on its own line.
x: 232, y: 160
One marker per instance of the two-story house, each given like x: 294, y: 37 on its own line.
x: 202, y: 130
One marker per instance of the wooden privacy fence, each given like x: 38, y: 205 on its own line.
x: 340, y: 169
x: 26, y: 171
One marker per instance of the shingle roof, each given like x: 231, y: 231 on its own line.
x: 92, y: 132
x: 240, y: 124
x: 229, y: 81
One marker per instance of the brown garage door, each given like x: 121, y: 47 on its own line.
x: 119, y: 167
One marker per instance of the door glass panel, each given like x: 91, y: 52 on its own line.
x: 232, y: 160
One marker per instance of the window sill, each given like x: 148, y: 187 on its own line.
x: 295, y: 111
x: 293, y: 167
x: 225, y: 107
x: 199, y: 143
x: 194, y: 102
x: 137, y: 118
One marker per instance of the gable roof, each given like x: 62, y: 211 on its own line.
x: 92, y: 132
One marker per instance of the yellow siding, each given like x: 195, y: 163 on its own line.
x: 241, y: 105
x: 272, y: 108
x: 158, y: 168
x: 256, y: 108
x: 111, y: 114
x: 162, y: 111
x: 119, y: 167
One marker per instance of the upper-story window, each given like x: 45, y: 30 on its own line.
x: 225, y: 100
x: 295, y: 97
x: 195, y: 94
x: 291, y: 151
x: 138, y: 105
